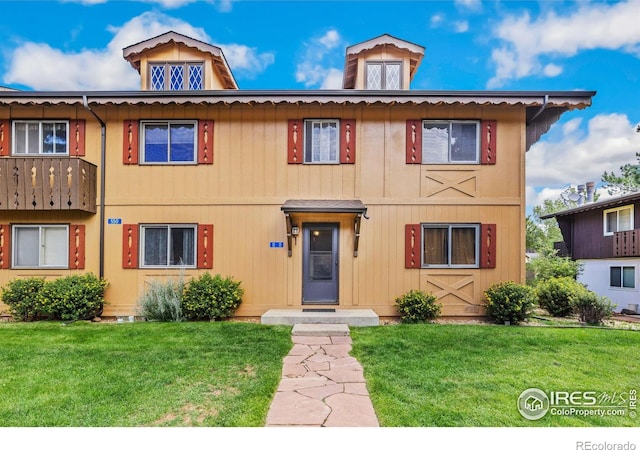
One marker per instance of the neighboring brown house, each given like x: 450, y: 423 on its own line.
x: 605, y: 238
x: 345, y: 198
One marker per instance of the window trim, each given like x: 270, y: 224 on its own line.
x: 605, y: 232
x: 40, y: 227
x: 167, y: 74
x: 450, y: 122
x: 168, y: 122
x: 622, y: 287
x: 383, y: 76
x: 40, y: 122
x: 338, y: 141
x: 450, y: 226
x: 168, y: 226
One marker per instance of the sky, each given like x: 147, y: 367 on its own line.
x: 470, y: 45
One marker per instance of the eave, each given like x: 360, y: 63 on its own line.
x: 609, y: 203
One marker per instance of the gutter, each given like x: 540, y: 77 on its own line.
x: 102, y: 181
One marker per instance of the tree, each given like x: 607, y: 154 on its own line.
x: 541, y: 234
x: 627, y: 182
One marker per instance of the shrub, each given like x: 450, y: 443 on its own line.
x: 162, y: 301
x: 509, y: 302
x: 550, y: 265
x: 556, y: 295
x: 73, y: 297
x: 211, y: 298
x: 592, y: 308
x: 22, y: 296
x: 418, y: 306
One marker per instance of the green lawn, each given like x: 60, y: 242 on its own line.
x: 472, y: 375
x: 140, y: 374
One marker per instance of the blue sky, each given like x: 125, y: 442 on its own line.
x: 470, y: 44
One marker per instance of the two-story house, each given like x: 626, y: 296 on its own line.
x: 605, y: 238
x: 325, y: 198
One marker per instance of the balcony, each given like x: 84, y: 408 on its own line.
x: 47, y: 184
x: 626, y: 243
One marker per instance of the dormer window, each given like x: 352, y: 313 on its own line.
x: 384, y: 75
x: 176, y: 76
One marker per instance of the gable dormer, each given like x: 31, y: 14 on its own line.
x: 382, y: 63
x: 174, y: 62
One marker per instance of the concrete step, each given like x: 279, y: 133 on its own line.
x: 350, y: 317
x: 320, y: 329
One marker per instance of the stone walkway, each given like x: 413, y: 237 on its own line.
x: 321, y: 386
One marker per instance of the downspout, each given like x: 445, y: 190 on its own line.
x: 542, y: 108
x: 102, y: 181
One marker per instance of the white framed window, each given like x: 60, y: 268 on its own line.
x: 168, y: 245
x: 450, y: 142
x: 450, y: 245
x: 622, y: 277
x: 322, y: 141
x: 179, y: 76
x: 40, y: 137
x: 164, y: 142
x: 384, y: 75
x: 40, y: 246
x: 618, y: 219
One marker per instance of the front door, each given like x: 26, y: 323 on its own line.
x: 320, y: 263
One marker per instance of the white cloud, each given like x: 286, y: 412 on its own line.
x: 461, y: 26
x: 41, y: 67
x: 221, y: 5
x: 552, y: 70
x: 576, y: 157
x: 315, y: 69
x: 474, y: 5
x: 436, y: 20
x: 525, y: 41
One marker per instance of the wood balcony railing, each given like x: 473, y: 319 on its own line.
x: 47, y: 183
x: 626, y: 243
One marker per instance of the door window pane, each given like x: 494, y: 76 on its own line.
x: 321, y: 254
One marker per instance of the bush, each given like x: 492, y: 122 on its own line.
x: 592, y: 308
x: 509, y: 302
x: 550, y: 265
x: 73, y: 297
x: 418, y: 306
x: 162, y: 301
x: 211, y: 298
x: 22, y: 296
x: 557, y: 295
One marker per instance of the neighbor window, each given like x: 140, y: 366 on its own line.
x: 384, y: 75
x: 618, y: 219
x: 450, y: 245
x: 45, y: 137
x: 176, y: 76
x: 322, y: 141
x: 168, y: 245
x: 622, y: 277
x: 168, y: 142
x: 40, y: 246
x: 450, y: 141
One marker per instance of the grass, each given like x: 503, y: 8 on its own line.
x: 472, y: 375
x: 219, y: 374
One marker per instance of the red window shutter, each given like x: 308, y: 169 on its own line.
x: 412, y: 239
x: 414, y: 142
x: 130, y: 142
x: 205, y: 142
x: 488, y: 141
x: 76, y: 247
x: 205, y: 246
x: 5, y: 246
x: 5, y: 137
x: 130, y: 246
x: 348, y: 141
x: 488, y: 246
x: 295, y: 141
x: 77, y: 138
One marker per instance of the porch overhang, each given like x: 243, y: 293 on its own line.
x: 355, y: 207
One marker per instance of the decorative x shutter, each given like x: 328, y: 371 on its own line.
x: 488, y: 141
x: 412, y: 239
x: 414, y: 141
x: 76, y: 246
x: 205, y: 142
x: 131, y: 131
x: 205, y: 246
x: 130, y: 246
x: 5, y: 137
x: 488, y: 246
x: 347, y: 141
x: 295, y: 142
x: 5, y: 246
x: 77, y: 138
